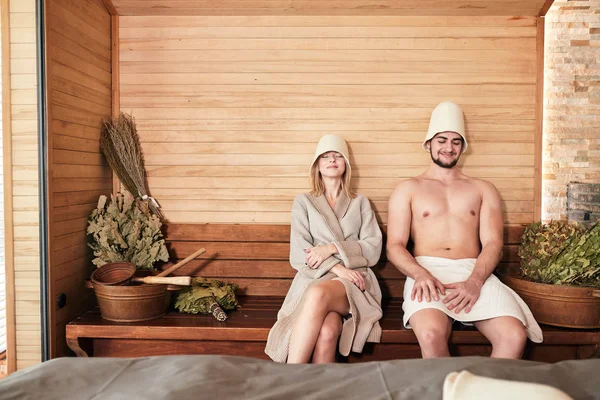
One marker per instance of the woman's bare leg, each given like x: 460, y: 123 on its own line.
x: 326, y: 346
x: 319, y: 301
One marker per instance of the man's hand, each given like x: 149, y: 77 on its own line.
x: 463, y: 295
x: 314, y: 256
x: 426, y: 286
x: 353, y: 276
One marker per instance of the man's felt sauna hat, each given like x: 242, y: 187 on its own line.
x: 446, y: 117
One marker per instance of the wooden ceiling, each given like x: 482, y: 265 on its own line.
x: 331, y: 7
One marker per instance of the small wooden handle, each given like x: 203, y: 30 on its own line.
x: 182, y: 262
x: 596, y: 293
x: 171, y: 280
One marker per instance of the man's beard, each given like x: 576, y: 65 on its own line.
x: 440, y: 163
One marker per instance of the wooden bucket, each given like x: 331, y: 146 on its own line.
x: 558, y: 305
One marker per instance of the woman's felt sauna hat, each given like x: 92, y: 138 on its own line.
x: 332, y: 143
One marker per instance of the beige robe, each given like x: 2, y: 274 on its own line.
x: 352, y: 227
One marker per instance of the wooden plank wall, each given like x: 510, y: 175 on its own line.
x: 229, y: 108
x: 329, y: 7
x: 5, y: 102
x: 79, y: 96
x: 21, y: 190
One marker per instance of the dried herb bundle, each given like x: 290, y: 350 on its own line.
x: 207, y: 296
x: 120, y: 144
x: 124, y: 230
x: 561, y: 253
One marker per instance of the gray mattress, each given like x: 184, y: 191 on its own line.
x: 229, y: 377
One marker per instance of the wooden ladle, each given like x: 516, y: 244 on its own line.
x: 182, y: 262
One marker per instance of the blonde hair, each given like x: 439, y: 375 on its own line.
x: 317, y: 188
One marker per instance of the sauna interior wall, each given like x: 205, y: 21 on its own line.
x: 229, y: 108
x: 78, y: 46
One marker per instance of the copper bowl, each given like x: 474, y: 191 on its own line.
x: 132, y: 303
x: 113, y: 274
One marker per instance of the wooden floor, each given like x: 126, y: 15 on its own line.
x: 246, y: 330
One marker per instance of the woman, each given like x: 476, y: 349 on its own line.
x: 334, y: 239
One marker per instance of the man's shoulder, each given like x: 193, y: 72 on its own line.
x: 405, y: 190
x: 482, y: 183
x: 484, y: 187
x: 409, y: 183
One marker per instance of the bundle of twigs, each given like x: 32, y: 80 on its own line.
x: 120, y: 144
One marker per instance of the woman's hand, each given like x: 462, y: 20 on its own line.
x: 352, y: 275
x: 314, y: 256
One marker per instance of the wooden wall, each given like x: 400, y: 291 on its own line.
x: 329, y: 7
x: 229, y: 109
x: 79, y: 96
x: 20, y: 157
x: 2, y: 222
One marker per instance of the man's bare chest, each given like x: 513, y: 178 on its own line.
x: 439, y: 201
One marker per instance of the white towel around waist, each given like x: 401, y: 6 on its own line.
x: 495, y: 300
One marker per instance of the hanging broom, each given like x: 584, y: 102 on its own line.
x: 120, y: 144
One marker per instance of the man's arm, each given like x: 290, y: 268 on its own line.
x: 490, y: 234
x: 398, y: 233
x: 466, y: 294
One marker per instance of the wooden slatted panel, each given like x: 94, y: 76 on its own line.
x: 5, y: 72
x: 328, y: 7
x: 79, y: 97
x: 229, y: 109
x: 21, y: 184
x: 256, y: 257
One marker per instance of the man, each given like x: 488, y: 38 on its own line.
x: 455, y: 223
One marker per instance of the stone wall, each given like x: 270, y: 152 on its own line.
x: 571, y: 102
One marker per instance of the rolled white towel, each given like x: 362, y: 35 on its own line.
x: 464, y: 385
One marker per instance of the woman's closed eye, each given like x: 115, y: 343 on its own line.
x: 336, y: 155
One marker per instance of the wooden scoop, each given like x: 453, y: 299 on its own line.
x: 182, y: 262
x: 171, y: 280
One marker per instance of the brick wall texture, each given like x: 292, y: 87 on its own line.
x: 571, y: 149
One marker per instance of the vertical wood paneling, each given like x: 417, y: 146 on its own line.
x: 229, y: 109
x: 539, y: 117
x: 9, y: 281
x: 116, y: 104
x: 20, y: 182
x: 79, y: 97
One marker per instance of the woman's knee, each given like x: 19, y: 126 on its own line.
x: 316, y: 297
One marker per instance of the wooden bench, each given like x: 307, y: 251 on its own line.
x: 255, y: 257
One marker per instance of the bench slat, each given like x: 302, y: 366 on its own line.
x: 265, y: 251
x: 267, y: 269
x: 267, y: 232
